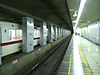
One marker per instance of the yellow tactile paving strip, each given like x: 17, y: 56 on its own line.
x: 87, y: 69
x: 70, y: 64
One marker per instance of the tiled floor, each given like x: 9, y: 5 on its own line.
x: 81, y: 58
x: 92, y: 54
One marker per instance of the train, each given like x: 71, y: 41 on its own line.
x: 11, y: 37
x: 92, y: 32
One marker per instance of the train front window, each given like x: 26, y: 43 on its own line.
x: 18, y: 34
x: 15, y: 34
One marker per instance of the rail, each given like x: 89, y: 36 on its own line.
x: 50, y: 54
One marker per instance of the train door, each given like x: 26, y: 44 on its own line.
x: 11, y: 34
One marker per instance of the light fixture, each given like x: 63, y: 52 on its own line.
x: 75, y: 14
x: 82, y: 3
x: 71, y: 10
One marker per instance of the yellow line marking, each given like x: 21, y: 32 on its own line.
x: 84, y: 61
x: 70, y: 64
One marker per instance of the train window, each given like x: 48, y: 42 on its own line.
x: 15, y: 34
x: 18, y: 34
x: 35, y: 33
x: 38, y: 33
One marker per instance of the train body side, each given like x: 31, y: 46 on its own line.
x: 11, y: 37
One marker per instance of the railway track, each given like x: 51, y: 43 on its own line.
x: 49, y: 64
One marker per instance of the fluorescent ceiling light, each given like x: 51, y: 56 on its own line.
x: 75, y: 14
x: 82, y: 3
x: 71, y: 9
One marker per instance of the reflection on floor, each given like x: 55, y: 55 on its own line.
x: 81, y: 58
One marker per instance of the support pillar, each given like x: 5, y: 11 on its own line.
x: 62, y: 32
x: 0, y: 46
x: 55, y: 33
x: 50, y: 31
x: 99, y: 32
x: 59, y: 33
x: 99, y: 36
x: 0, y: 58
x: 43, y: 35
x: 28, y: 34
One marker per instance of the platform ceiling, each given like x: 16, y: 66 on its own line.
x: 91, y: 11
x: 52, y: 11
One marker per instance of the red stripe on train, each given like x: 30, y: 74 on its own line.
x: 10, y: 43
x: 36, y: 38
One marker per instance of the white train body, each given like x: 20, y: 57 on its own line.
x: 92, y: 32
x: 9, y: 43
x: 11, y: 37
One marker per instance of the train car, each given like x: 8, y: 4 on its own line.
x: 92, y: 32
x: 11, y: 37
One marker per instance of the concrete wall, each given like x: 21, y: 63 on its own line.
x: 92, y: 32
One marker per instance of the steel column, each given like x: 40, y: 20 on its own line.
x: 62, y: 32
x: 0, y: 46
x: 0, y: 57
x: 99, y: 32
x: 28, y: 34
x: 43, y: 35
x: 50, y: 30
x: 59, y: 33
x: 55, y: 33
x: 99, y: 36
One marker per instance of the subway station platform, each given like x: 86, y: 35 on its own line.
x: 81, y: 58
x: 49, y: 37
